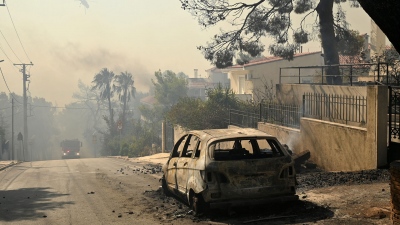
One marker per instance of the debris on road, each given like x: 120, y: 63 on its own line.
x: 311, y: 208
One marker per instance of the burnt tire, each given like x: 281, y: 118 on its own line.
x: 164, y: 187
x: 197, y: 204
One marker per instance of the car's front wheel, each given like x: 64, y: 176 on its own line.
x: 165, y: 187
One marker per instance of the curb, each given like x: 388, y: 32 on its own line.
x: 9, y: 165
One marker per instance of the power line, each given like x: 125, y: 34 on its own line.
x: 9, y: 60
x: 12, y: 95
x: 17, y: 34
x: 6, y: 55
x: 10, y: 46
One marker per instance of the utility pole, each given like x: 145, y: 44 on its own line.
x: 12, y: 129
x: 25, y: 79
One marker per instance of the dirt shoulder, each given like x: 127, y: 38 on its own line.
x: 325, y: 198
x: 351, y: 204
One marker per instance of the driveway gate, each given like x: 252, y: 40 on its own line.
x: 394, y: 124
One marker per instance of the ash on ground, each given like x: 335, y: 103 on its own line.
x: 316, y: 178
x: 171, y: 210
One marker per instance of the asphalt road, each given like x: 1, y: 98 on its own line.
x: 116, y: 191
x: 76, y: 191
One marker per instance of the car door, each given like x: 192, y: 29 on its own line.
x: 171, y: 173
x: 186, y: 162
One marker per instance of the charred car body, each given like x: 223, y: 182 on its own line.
x: 230, y: 167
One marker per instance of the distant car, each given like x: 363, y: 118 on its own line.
x: 229, y: 167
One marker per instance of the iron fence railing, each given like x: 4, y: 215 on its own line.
x: 335, y: 108
x: 280, y: 114
x: 243, y: 119
x: 343, y: 109
x: 285, y: 115
x: 348, y: 74
x: 394, y: 113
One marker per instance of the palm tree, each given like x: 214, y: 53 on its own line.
x: 103, y: 81
x: 125, y: 89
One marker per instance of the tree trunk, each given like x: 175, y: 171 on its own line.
x: 124, y: 109
x: 328, y: 41
x: 386, y: 14
x: 112, y: 128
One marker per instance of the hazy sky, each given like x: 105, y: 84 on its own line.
x: 67, y: 42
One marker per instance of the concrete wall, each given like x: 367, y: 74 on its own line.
x: 293, y: 93
x: 339, y: 147
x: 343, y: 148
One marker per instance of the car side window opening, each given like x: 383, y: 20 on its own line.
x: 191, y: 146
x: 179, y: 146
x: 198, y: 149
x: 275, y: 147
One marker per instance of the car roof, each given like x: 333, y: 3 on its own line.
x: 229, y: 133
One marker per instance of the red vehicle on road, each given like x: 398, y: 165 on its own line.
x: 70, y: 148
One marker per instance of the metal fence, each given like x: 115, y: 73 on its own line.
x: 335, y: 108
x: 351, y: 110
x: 394, y: 113
x: 284, y: 115
x: 394, y: 123
x: 348, y: 74
x: 243, y: 118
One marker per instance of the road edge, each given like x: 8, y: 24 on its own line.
x: 8, y: 165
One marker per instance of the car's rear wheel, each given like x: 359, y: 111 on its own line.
x: 197, y: 203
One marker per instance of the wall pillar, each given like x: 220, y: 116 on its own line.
x: 377, y: 109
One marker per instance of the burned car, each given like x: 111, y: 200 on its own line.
x: 229, y: 167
